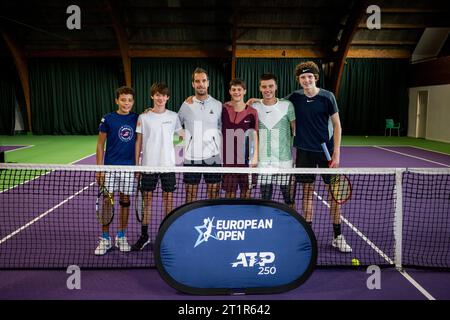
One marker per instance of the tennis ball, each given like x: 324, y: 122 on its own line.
x: 355, y: 262
x: 367, y: 136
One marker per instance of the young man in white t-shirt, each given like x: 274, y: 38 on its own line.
x: 155, y: 130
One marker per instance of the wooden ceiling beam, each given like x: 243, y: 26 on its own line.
x: 396, y: 26
x: 178, y: 42
x: 383, y: 42
x: 73, y: 53
x: 353, y: 20
x: 211, y: 53
x: 409, y: 10
x: 280, y: 53
x: 21, y: 64
x: 379, y: 53
x: 184, y: 53
x: 278, y: 42
x: 282, y: 25
x: 122, y: 39
x: 181, y: 25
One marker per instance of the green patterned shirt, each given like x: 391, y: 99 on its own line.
x: 275, y: 139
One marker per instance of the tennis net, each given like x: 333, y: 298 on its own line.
x: 395, y: 217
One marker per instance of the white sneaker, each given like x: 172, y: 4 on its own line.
x: 340, y: 243
x: 103, y: 246
x: 122, y: 244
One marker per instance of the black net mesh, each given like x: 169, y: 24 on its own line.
x: 48, y: 217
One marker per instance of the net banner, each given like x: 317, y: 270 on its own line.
x: 228, y: 246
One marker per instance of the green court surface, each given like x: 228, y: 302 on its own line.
x: 49, y: 149
x: 68, y: 149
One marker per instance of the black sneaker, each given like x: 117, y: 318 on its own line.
x: 141, y: 243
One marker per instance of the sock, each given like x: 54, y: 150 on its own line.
x: 121, y: 234
x: 336, y: 229
x: 105, y: 235
x: 285, y: 190
x: 266, y: 191
x: 144, y: 230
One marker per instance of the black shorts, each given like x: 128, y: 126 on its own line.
x: 195, y: 177
x: 310, y: 159
x: 149, y: 181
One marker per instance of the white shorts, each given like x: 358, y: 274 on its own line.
x: 124, y: 182
x: 278, y: 179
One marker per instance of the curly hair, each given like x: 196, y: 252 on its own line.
x: 307, y: 65
x: 124, y: 90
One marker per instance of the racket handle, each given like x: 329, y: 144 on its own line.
x: 325, y: 150
x: 327, y: 154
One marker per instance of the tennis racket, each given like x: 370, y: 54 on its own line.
x: 139, y: 201
x: 340, y: 185
x: 104, y: 206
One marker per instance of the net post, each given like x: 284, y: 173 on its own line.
x: 398, y: 217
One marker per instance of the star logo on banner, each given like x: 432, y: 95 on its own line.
x: 205, y: 231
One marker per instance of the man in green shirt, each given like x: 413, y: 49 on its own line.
x: 276, y: 122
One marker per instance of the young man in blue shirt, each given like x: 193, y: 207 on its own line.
x: 317, y: 121
x: 117, y: 129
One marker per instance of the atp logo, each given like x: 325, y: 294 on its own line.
x: 205, y: 231
x: 263, y: 261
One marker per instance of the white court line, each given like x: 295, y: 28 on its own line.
x: 420, y: 148
x: 41, y: 175
x: 417, y: 285
x: 359, y: 233
x: 416, y: 157
x: 21, y: 148
x: 380, y: 252
x: 23, y: 182
x: 73, y: 162
x: 42, y: 215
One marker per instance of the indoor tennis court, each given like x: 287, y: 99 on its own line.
x: 391, y: 85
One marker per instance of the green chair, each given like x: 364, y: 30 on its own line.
x: 391, y: 125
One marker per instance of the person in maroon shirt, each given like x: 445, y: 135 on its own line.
x: 239, y: 139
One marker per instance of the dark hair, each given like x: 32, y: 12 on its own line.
x: 199, y: 70
x: 159, y: 87
x: 238, y: 82
x: 267, y: 76
x: 124, y: 90
x: 314, y: 69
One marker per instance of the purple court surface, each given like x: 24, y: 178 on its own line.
x: 9, y: 148
x: 324, y: 284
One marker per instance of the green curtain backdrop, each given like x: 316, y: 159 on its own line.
x: 69, y: 96
x: 372, y: 90
x: 8, y: 98
x: 177, y: 74
x: 250, y: 69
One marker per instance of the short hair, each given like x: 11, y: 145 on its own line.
x: 307, y: 65
x: 124, y: 90
x: 238, y: 82
x: 267, y: 76
x: 199, y: 70
x: 159, y: 87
